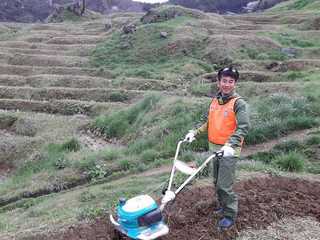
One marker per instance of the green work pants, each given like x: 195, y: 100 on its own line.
x: 223, y: 178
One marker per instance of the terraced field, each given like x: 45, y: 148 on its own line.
x: 88, y: 115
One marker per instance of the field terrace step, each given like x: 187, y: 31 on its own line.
x: 76, y: 40
x: 74, y: 81
x: 82, y: 52
x: 81, y: 94
x: 79, y: 32
x: 14, y: 146
x: 87, y: 28
x: 256, y: 19
x: 235, y: 31
x: 46, y: 60
x: 45, y: 46
x: 267, y: 88
x: 274, y: 18
x: 278, y: 66
x: 7, y: 69
x: 62, y: 39
x: 65, y: 107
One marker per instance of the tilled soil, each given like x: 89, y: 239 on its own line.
x: 262, y: 201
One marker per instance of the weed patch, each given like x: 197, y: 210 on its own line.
x: 7, y: 121
x: 292, y: 161
x: 118, y: 124
x: 278, y: 115
x: 256, y: 54
x: 300, y: 4
x: 89, y: 213
x: 295, y: 39
x: 294, y: 156
x: 153, y: 128
x: 72, y: 145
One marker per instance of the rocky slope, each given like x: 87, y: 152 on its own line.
x: 39, y: 10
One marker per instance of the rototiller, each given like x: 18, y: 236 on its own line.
x: 141, y: 217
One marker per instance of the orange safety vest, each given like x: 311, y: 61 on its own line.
x: 222, y: 121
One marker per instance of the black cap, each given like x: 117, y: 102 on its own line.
x: 230, y: 72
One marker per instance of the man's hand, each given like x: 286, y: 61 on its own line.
x: 190, y: 137
x: 227, y: 151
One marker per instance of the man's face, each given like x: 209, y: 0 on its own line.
x: 226, y: 84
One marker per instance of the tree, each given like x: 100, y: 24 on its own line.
x: 83, y: 7
x: 80, y: 4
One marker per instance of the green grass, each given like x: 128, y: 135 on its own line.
x: 301, y: 4
x: 73, y: 206
x: 308, y: 78
x: 256, y: 54
x: 292, y: 161
x: 44, y: 166
x: 10, y: 33
x: 145, y: 54
x: 293, y: 155
x: 7, y: 121
x: 279, y: 114
x: 295, y: 39
x: 152, y: 127
x: 118, y: 124
x: 297, y: 5
x: 257, y: 166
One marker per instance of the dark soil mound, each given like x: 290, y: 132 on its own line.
x: 262, y: 201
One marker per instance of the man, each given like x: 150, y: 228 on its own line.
x: 227, y: 125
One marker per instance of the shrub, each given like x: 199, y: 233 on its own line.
x: 25, y: 127
x: 86, y: 163
x: 313, y: 168
x: 301, y: 122
x: 7, y: 121
x: 110, y: 154
x: 314, y: 140
x: 277, y: 115
x: 292, y: 161
x: 288, y: 146
x: 118, y: 124
x: 86, y: 196
x: 149, y: 155
x: 139, y: 145
x: 72, y: 145
x: 125, y: 164
x: 118, y: 97
x: 300, y: 4
x: 89, y: 213
x: 295, y: 75
x: 62, y: 163
x: 265, y: 157
x: 98, y: 172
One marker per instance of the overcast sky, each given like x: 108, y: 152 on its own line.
x: 151, y: 1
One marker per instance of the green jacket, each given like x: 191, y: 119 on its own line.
x: 242, y: 115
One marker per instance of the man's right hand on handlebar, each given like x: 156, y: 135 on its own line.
x: 190, y: 137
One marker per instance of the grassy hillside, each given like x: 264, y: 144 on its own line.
x: 300, y: 5
x: 93, y: 106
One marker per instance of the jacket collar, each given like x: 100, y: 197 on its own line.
x: 223, y: 99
